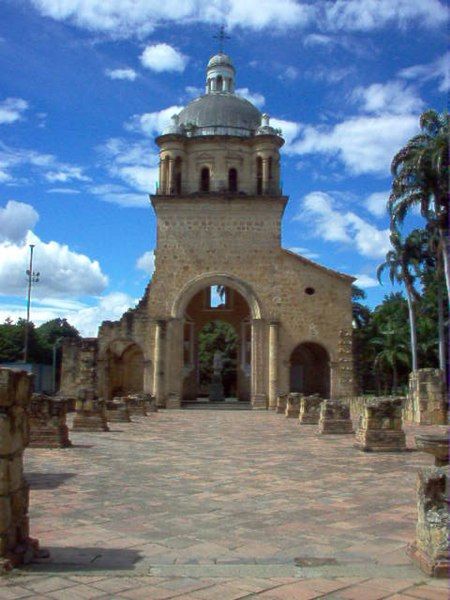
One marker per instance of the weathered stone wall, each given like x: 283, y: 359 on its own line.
x: 15, y: 543
x: 426, y: 403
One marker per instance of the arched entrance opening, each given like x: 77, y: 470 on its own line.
x: 217, y: 346
x: 125, y: 369
x: 310, y: 370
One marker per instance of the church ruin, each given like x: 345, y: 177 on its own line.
x: 219, y: 207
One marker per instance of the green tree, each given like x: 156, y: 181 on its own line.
x: 390, y: 352
x: 403, y: 266
x: 217, y: 335
x: 420, y: 173
x: 50, y: 333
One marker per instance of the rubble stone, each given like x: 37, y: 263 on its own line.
x: 310, y: 409
x: 426, y: 403
x: 380, y: 426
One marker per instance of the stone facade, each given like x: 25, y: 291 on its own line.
x: 16, y: 547
x: 47, y: 419
x: 310, y: 409
x: 380, y: 426
x: 426, y: 403
x: 334, y: 418
x: 430, y: 551
x: 219, y: 209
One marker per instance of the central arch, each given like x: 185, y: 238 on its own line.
x: 189, y: 290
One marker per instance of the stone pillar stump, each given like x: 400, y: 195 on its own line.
x: 281, y: 404
x: 90, y: 413
x: 380, y: 426
x: 310, y: 409
x: 47, y: 419
x: 16, y: 546
x: 334, y: 418
x: 293, y: 405
x: 150, y: 403
x: 117, y: 410
x: 173, y: 401
x: 430, y: 551
x: 136, y: 404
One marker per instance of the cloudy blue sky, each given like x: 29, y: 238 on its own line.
x: 85, y: 85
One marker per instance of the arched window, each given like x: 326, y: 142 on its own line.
x: 219, y: 83
x: 259, y: 176
x: 232, y: 180
x: 204, y: 179
x: 178, y: 179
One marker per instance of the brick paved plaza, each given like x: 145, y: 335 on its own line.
x: 221, y: 505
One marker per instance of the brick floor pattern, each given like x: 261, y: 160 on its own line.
x: 222, y: 505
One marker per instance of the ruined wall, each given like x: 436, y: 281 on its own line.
x: 426, y: 403
x: 15, y: 543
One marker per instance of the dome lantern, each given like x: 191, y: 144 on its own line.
x: 220, y: 75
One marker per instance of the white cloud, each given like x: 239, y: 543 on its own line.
x: 11, y: 110
x: 365, y: 144
x: 376, y: 203
x: 365, y: 281
x: 122, y: 74
x: 290, y: 72
x: 15, y: 221
x: 366, y: 15
x: 318, y: 39
x: 63, y: 272
x: 134, y: 164
x: 253, y: 97
x: 36, y: 163
x: 146, y: 262
x: 68, y: 191
x: 162, y: 57
x: 139, y: 17
x: 153, y: 123
x: 86, y: 318
x: 289, y: 130
x: 320, y: 210
x: 393, y: 97
x: 304, y: 252
x: 438, y: 69
x: 119, y: 194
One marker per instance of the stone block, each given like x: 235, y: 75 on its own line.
x: 310, y: 409
x: 173, y: 401
x: 427, y: 402
x: 281, y: 404
x: 90, y: 413
x: 47, y: 418
x: 293, y: 405
x: 335, y: 418
x: 430, y: 551
x: 259, y: 402
x: 137, y: 404
x: 380, y: 426
x: 117, y: 410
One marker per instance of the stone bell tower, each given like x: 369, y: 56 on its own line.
x: 219, y: 207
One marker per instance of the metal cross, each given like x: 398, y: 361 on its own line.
x: 221, y: 36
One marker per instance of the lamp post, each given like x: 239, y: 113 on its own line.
x: 32, y: 278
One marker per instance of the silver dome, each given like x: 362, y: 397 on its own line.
x: 220, y: 114
x: 219, y: 60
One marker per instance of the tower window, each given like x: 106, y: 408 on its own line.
x: 259, y: 176
x: 219, y: 83
x: 204, y: 179
x: 232, y: 180
x: 178, y: 163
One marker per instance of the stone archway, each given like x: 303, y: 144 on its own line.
x: 310, y: 369
x: 255, y: 336
x: 125, y: 368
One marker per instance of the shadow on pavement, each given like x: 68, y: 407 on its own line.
x: 86, y: 559
x: 47, y: 481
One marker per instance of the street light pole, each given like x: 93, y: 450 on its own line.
x: 32, y: 278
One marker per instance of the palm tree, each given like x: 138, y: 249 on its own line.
x: 420, y: 171
x: 391, y: 352
x: 403, y: 257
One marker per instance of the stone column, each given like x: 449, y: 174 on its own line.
x: 174, y: 361
x: 334, y: 418
x: 47, y: 420
x: 259, y: 394
x: 293, y: 405
x: 161, y: 177
x: 158, y: 384
x: 426, y: 402
x: 148, y: 377
x: 310, y: 409
x: 334, y: 379
x: 16, y: 547
x: 273, y: 365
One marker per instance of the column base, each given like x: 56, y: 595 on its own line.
x: 434, y: 567
x: 173, y: 401
x: 90, y: 422
x: 259, y: 402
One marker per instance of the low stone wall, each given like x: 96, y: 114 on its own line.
x: 16, y: 547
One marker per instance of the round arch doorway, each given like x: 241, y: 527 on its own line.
x: 310, y: 370
x: 217, y: 320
